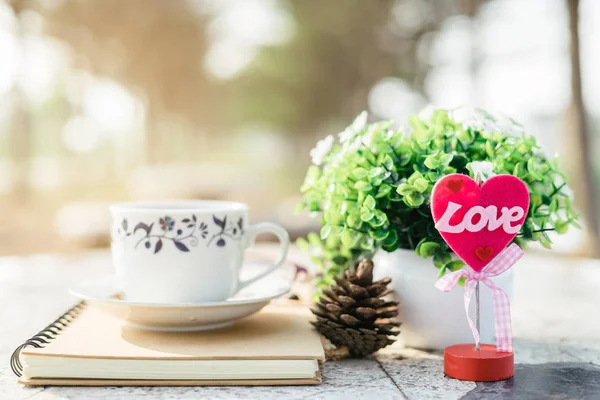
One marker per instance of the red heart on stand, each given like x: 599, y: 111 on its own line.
x: 478, y: 222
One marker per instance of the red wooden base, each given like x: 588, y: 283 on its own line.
x: 462, y: 361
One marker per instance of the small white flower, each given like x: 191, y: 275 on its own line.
x: 367, y: 139
x: 485, y: 168
x: 482, y: 120
x: 358, y: 142
x: 353, y: 146
x: 355, y: 128
x: 322, y: 148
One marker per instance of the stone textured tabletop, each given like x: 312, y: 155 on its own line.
x: 556, y: 324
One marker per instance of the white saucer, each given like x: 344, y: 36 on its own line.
x: 182, y: 317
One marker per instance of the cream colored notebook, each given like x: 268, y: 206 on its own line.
x: 276, y: 346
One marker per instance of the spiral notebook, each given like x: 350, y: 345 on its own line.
x: 85, y: 347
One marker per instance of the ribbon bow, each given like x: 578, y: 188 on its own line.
x: 503, y: 261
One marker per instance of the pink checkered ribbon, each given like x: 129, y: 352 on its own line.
x: 498, y: 265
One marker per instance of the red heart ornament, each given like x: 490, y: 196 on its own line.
x: 485, y: 254
x: 478, y: 222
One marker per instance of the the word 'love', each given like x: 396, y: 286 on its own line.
x: 477, y: 217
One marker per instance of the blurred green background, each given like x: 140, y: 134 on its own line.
x: 105, y: 100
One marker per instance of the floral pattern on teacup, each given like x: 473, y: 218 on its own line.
x: 181, y: 233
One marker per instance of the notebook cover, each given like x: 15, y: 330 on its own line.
x: 276, y: 332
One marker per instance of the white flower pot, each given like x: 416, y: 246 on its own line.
x: 432, y: 319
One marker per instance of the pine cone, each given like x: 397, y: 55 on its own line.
x: 353, y: 314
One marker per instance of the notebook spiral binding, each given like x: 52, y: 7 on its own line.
x: 43, y: 337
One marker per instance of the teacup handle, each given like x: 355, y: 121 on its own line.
x: 284, y: 239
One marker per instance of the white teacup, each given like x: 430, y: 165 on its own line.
x: 184, y: 252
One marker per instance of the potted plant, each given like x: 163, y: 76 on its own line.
x: 371, y: 187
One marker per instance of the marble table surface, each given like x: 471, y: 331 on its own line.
x: 556, y: 323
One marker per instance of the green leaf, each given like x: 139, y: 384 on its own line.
x: 405, y: 189
x: 362, y: 185
x: 433, y: 176
x: 370, y: 202
x: 464, y: 136
x: 366, y: 243
x: 336, y: 230
x: 359, y: 173
x: 441, y: 258
x: 445, y: 159
x: 313, y: 173
x: 383, y: 190
x: 350, y: 237
x: 302, y: 244
x: 353, y: 219
x: 325, y: 230
x: 553, y: 206
x: 314, y: 239
x: 421, y: 185
x: 545, y: 241
x: 415, y: 175
x: 489, y: 149
x: 535, y: 199
x: 379, y: 234
x: 375, y: 172
x: 441, y: 272
x: 367, y: 216
x: 515, y: 171
x: 428, y: 249
x: 405, y: 159
x: 379, y: 219
x: 391, y: 239
x: 532, y: 169
x: 414, y: 200
x: 454, y: 265
x: 387, y: 162
x: 432, y: 162
x: 561, y: 226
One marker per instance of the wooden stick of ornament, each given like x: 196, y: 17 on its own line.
x: 478, y: 220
